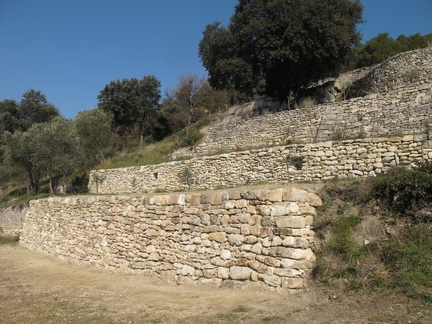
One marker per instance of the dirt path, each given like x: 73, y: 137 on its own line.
x: 40, y: 289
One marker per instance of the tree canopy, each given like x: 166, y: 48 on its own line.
x: 131, y: 103
x: 383, y: 46
x: 273, y: 47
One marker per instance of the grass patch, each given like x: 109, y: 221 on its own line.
x: 410, y: 260
x: 399, y: 260
x: 8, y: 239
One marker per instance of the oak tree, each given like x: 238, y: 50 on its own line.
x: 273, y: 47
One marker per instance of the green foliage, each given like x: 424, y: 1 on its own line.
x: 399, y: 262
x: 94, y: 131
x: 274, y: 47
x: 132, y: 103
x: 34, y: 108
x: 187, y: 177
x: 191, y: 137
x: 402, y: 189
x: 410, y: 259
x: 382, y: 47
x: 412, y: 75
x: 98, y: 179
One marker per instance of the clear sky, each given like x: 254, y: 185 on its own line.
x: 70, y: 49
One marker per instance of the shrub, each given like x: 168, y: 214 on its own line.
x: 191, y: 138
x: 187, y: 177
x: 305, y: 102
x: 403, y: 189
x: 412, y: 75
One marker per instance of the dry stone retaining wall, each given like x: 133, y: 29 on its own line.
x: 391, y: 100
x: 259, y: 239
x: 404, y: 111
x: 319, y: 161
x: 12, y: 219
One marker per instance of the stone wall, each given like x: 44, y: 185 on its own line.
x: 318, y: 161
x: 402, y: 111
x: 396, y: 73
x: 251, y: 239
x: 394, y: 104
x: 12, y: 219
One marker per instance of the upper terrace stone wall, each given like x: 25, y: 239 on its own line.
x: 394, y: 105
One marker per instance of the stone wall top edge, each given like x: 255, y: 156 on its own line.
x: 272, y: 194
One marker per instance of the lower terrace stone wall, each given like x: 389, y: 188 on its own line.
x: 319, y: 161
x: 258, y: 239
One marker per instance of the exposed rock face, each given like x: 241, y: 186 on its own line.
x: 252, y: 239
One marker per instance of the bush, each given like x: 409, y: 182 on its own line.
x: 403, y: 189
x: 191, y: 138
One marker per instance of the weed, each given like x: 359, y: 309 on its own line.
x: 271, y: 318
x: 403, y: 189
x: 241, y: 309
x: 339, y: 133
x: 412, y: 75
x: 160, y: 190
x: 7, y: 239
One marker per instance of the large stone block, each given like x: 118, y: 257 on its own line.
x: 240, y: 273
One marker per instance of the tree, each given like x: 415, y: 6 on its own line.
x: 191, y: 99
x: 18, y: 157
x: 9, y: 116
x: 131, y: 102
x: 273, y: 47
x: 34, y: 108
x: 94, y: 132
x: 55, y: 149
x: 381, y: 47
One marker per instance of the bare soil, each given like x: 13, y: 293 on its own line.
x: 36, y: 288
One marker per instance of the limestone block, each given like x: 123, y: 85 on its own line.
x: 286, y: 208
x: 275, y: 195
x: 218, y: 237
x: 292, y: 283
x: 240, y: 273
x: 159, y: 200
x: 193, y: 199
x: 291, y: 221
x: 288, y: 272
x: 292, y: 253
x: 245, y: 229
x: 273, y: 280
x: 223, y: 273
x: 226, y: 254
x: 187, y: 270
x: 235, y: 239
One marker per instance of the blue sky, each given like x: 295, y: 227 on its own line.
x: 70, y: 49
